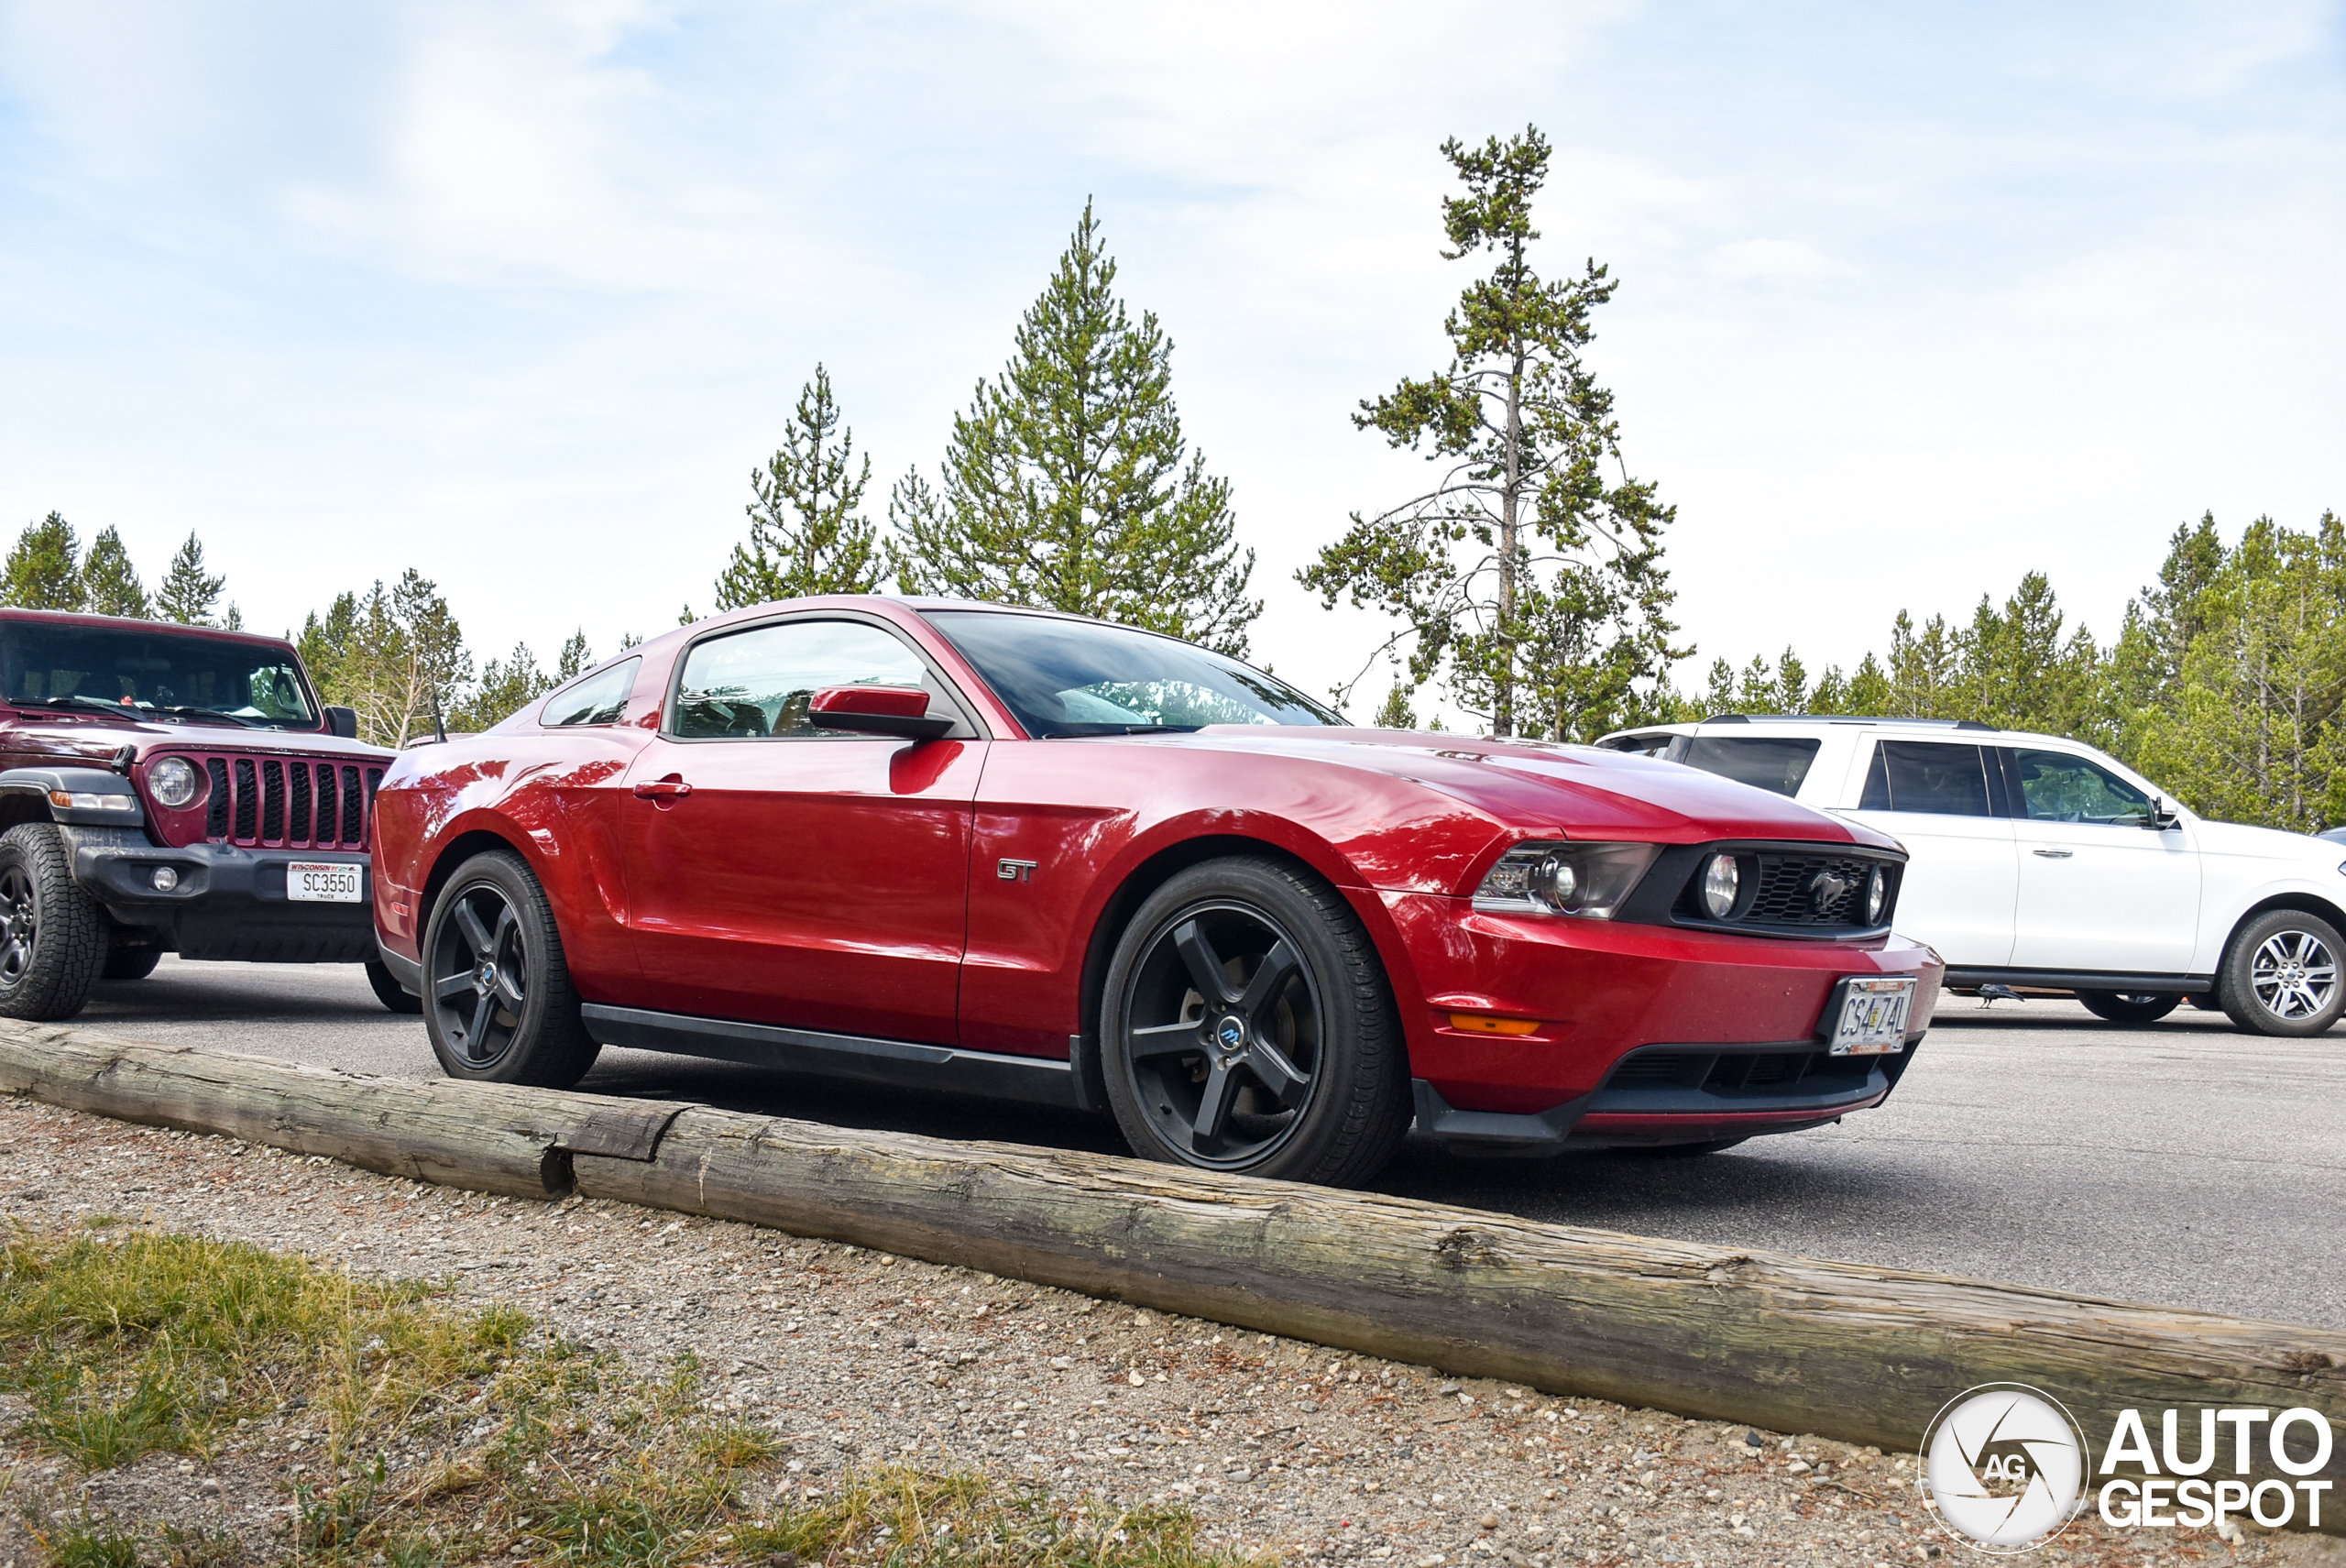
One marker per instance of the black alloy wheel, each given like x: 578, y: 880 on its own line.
x: 1247, y: 1028
x: 2128, y: 1006
x: 2280, y: 975
x: 498, y: 1003
x: 52, y: 934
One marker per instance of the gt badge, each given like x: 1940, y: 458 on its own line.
x: 1014, y: 871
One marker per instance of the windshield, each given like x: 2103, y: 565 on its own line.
x: 1077, y: 677
x: 161, y: 672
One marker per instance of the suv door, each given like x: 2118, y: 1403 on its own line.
x: 800, y: 876
x: 1941, y: 801
x: 2099, y: 889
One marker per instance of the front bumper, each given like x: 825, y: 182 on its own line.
x: 230, y: 902
x: 1632, y: 1033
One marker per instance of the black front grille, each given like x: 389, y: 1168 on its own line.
x: 1727, y: 1071
x: 1811, y: 890
x: 287, y: 802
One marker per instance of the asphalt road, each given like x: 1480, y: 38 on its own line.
x: 2181, y: 1164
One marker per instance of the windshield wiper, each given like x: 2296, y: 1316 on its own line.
x: 1077, y: 731
x: 215, y: 713
x: 99, y: 704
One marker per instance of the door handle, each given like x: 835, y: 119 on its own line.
x: 663, y: 789
x: 2048, y: 854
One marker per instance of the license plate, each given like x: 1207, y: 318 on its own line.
x: 323, y: 882
x: 1873, y: 1016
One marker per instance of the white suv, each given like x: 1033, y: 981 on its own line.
x: 2039, y: 861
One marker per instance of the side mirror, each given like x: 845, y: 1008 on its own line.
x: 2163, y: 815
x: 343, y: 721
x: 901, y: 711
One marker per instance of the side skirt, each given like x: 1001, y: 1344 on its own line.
x: 2075, y: 980
x: 1035, y: 1080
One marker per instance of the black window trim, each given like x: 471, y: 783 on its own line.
x: 968, y: 717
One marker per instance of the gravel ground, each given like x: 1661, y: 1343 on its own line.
x: 859, y: 1358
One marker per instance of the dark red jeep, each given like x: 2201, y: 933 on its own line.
x: 172, y: 789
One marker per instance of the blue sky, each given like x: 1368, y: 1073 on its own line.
x: 1914, y: 297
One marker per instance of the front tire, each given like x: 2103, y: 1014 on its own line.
x: 2280, y: 975
x: 52, y: 935
x: 2128, y: 1006
x: 1247, y: 1026
x: 389, y: 991
x: 497, y: 1002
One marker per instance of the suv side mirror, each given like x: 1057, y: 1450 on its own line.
x: 2163, y: 815
x: 901, y: 711
x: 343, y: 721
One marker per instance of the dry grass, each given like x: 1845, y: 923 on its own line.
x: 452, y: 1436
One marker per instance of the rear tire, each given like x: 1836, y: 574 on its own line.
x: 2128, y: 1006
x: 498, y: 1003
x: 52, y: 935
x: 1247, y: 1026
x: 390, y: 992
x: 130, y: 963
x: 2280, y: 975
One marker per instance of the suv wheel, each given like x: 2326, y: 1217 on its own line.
x: 498, y: 1000
x: 52, y: 935
x: 2281, y: 974
x: 389, y: 991
x: 131, y: 963
x: 2128, y: 1006
x: 1247, y: 1026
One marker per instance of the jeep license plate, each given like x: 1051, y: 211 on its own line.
x: 1873, y: 1016
x: 321, y: 881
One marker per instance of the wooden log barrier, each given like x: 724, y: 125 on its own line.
x: 1795, y: 1344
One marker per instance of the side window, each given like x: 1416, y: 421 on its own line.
x: 597, y: 699
x: 1927, y: 775
x: 758, y: 683
x: 2057, y: 787
x: 1773, y: 762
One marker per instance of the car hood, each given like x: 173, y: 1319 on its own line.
x: 2241, y: 840
x: 1543, y: 786
x: 100, y: 736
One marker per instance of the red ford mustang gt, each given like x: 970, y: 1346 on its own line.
x: 938, y: 844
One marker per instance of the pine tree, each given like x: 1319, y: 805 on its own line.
x: 188, y: 594
x: 575, y: 659
x: 395, y: 655
x: 110, y: 585
x: 1396, y: 713
x: 1523, y: 577
x: 807, y: 533
x: 44, y: 570
x: 506, y: 686
x: 1068, y: 485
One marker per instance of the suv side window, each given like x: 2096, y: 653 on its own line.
x: 1928, y: 775
x: 1776, y: 763
x: 2057, y: 787
x: 757, y: 684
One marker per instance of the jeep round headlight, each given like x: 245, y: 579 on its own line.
x: 1877, y: 894
x: 173, y: 781
x: 1722, y: 880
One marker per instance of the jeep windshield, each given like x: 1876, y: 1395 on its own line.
x: 1080, y: 677
x: 157, y: 674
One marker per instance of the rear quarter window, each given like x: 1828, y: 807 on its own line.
x: 1773, y: 762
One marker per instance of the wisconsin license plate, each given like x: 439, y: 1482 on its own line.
x: 323, y: 882
x: 1873, y: 1016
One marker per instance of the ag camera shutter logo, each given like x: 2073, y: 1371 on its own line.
x: 2005, y: 1466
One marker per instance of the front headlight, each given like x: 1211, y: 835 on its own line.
x: 1543, y: 878
x: 1877, y: 895
x: 172, y: 782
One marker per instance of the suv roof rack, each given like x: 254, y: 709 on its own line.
x: 1842, y: 718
